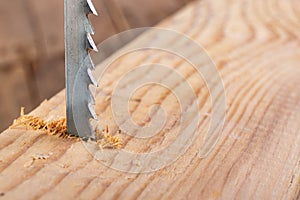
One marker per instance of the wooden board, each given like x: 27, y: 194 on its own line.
x: 255, y: 45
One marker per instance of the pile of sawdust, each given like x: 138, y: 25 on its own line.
x: 55, y: 127
x: 59, y: 128
x: 105, y: 140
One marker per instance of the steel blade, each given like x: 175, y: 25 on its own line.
x: 78, y: 43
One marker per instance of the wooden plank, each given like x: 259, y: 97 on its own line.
x: 255, y: 47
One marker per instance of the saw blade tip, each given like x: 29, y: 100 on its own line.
x: 92, y: 7
x: 92, y: 45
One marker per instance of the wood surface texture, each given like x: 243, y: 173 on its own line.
x: 255, y: 46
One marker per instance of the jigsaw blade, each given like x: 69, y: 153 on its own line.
x: 79, y: 77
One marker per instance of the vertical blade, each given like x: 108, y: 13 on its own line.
x: 78, y: 43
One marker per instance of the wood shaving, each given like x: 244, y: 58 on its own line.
x: 105, y: 140
x: 55, y: 127
x: 59, y: 128
x: 41, y: 156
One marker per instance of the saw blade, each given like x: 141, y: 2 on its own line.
x: 78, y: 43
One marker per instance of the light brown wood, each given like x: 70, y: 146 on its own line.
x: 255, y: 45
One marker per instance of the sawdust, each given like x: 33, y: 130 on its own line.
x: 59, y: 128
x: 37, y: 157
x: 41, y: 156
x: 55, y: 127
x: 105, y: 140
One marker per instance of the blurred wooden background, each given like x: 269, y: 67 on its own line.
x: 32, y: 44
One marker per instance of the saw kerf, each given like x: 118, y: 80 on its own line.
x: 78, y: 64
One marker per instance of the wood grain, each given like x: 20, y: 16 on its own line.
x: 255, y: 45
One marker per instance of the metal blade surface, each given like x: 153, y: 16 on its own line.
x: 78, y: 43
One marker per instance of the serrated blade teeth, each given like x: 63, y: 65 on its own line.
x: 80, y: 81
x: 92, y: 7
x: 88, y: 27
x: 92, y: 100
x: 92, y: 111
x: 92, y: 45
x: 91, y: 76
x: 90, y: 63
